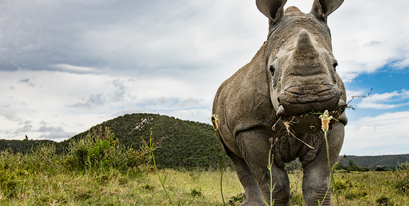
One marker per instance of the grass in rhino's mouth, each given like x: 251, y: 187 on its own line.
x: 337, y: 112
x: 287, y: 124
x: 288, y: 121
x: 311, y: 119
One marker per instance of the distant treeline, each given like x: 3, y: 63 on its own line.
x: 23, y: 146
x: 388, y: 162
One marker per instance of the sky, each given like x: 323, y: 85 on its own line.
x: 68, y: 65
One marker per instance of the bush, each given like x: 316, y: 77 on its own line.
x: 99, y: 150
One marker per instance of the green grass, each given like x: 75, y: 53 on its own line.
x: 114, y: 187
x: 373, y: 188
x: 117, y: 188
x: 362, y: 188
x: 99, y: 171
x: 185, y: 187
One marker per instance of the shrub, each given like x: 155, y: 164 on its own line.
x: 99, y: 150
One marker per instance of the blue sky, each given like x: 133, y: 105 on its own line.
x: 385, y: 81
x: 68, y: 65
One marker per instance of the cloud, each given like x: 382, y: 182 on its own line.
x: 93, y: 100
x: 8, y: 113
x: 127, y: 35
x: 190, y: 102
x: 371, y: 135
x: 40, y: 131
x: 361, y: 44
x: 74, y: 69
x: 120, y: 90
x: 387, y: 100
x: 167, y: 36
x: 27, y: 127
x: 67, y: 103
x: 56, y: 133
x: 200, y: 115
x: 26, y: 81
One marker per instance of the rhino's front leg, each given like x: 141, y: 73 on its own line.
x: 317, y: 172
x: 253, y: 194
x: 255, y: 148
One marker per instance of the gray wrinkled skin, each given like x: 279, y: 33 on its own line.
x: 292, y: 74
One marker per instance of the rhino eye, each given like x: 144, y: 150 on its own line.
x: 272, y: 70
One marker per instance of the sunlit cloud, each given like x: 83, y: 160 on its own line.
x: 365, y: 134
x: 387, y: 100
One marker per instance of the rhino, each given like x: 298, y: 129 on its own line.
x: 279, y: 94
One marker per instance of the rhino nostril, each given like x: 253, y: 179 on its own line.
x: 278, y: 99
x: 272, y: 70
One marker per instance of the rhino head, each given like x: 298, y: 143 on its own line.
x: 300, y: 60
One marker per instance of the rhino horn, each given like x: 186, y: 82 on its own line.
x: 304, y: 45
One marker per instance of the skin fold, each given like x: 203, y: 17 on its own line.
x: 292, y: 76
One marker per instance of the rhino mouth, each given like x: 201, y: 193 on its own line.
x: 310, y: 122
x: 310, y: 99
x: 341, y: 106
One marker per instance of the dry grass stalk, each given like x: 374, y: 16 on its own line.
x: 288, y: 125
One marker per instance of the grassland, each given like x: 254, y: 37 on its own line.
x: 186, y: 187
x: 115, y: 188
x: 362, y: 188
x: 49, y: 183
x: 97, y: 170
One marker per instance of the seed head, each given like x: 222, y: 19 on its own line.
x: 325, y: 119
x: 214, y: 120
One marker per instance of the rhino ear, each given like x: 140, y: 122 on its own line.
x: 273, y: 9
x: 322, y: 8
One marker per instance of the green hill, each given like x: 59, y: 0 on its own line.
x: 185, y: 144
